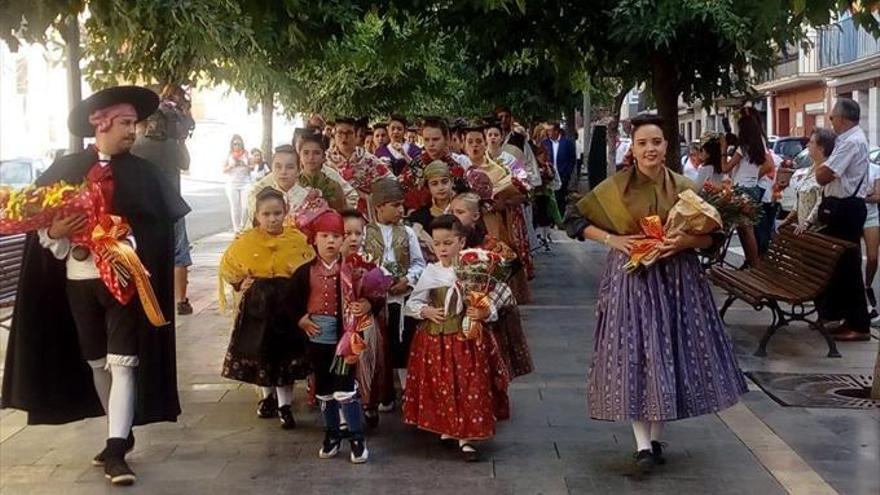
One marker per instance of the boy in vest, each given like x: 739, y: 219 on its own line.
x: 395, y: 247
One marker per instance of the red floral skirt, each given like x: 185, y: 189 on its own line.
x: 455, y: 387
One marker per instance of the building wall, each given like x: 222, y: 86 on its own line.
x: 799, y: 110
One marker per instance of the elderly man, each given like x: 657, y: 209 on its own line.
x: 845, y: 179
x: 80, y: 348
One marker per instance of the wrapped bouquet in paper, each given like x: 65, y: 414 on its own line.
x: 359, y: 344
x: 476, y: 271
x: 105, y: 236
x: 32, y: 208
x: 691, y: 215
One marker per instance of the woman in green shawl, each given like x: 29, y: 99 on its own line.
x: 661, y: 352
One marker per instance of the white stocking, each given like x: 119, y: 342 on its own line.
x: 102, y: 380
x: 656, y: 430
x: 267, y: 392
x: 121, y: 410
x: 642, y: 432
x: 285, y: 395
x: 401, y: 374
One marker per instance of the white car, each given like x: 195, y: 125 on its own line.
x: 801, y: 164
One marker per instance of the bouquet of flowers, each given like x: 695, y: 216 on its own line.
x: 733, y: 204
x: 32, y: 207
x: 477, y: 273
x: 361, y: 279
x: 362, y: 174
x: 691, y: 215
x: 311, y: 208
x: 123, y: 273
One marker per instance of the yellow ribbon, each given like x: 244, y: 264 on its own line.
x: 124, y: 260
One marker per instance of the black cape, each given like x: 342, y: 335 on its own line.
x: 45, y: 373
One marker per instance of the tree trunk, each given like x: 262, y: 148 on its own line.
x: 664, y: 84
x: 570, y: 127
x: 74, y: 74
x: 267, y: 107
x: 613, y: 125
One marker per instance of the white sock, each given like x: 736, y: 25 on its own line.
x: 267, y: 392
x: 285, y: 395
x: 121, y: 411
x: 656, y: 430
x: 642, y: 432
x: 102, y: 380
x: 401, y: 374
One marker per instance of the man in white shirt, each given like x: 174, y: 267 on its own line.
x: 845, y: 179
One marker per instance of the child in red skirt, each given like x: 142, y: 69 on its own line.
x: 452, y: 388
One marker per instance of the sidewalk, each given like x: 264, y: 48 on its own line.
x: 219, y: 446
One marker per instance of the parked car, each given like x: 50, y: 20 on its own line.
x: 801, y: 164
x: 874, y: 155
x: 788, y: 147
x: 19, y: 172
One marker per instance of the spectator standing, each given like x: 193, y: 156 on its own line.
x: 238, y: 180
x: 562, y: 152
x: 842, y: 211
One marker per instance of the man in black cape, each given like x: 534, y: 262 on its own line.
x: 74, y: 351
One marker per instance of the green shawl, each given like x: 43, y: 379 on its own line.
x: 620, y: 201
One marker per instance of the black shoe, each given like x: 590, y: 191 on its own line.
x: 371, y: 417
x: 267, y: 408
x: 115, y: 468
x: 469, y: 453
x: 872, y: 299
x: 287, y: 420
x: 330, y: 446
x: 359, y: 452
x: 657, y: 452
x: 184, y: 308
x: 645, y: 461
x: 99, y: 459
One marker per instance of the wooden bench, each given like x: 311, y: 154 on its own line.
x: 794, y: 272
x: 11, y: 254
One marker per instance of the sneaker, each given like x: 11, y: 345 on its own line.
x: 288, y: 422
x: 371, y: 417
x: 384, y: 408
x: 184, y: 308
x: 645, y: 461
x: 359, y: 452
x: 657, y: 452
x: 330, y: 447
x: 267, y: 408
x: 99, y: 459
x: 115, y: 468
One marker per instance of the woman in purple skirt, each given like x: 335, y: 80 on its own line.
x: 661, y: 352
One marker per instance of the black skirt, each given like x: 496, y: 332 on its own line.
x: 267, y: 347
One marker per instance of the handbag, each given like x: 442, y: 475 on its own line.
x: 829, y: 207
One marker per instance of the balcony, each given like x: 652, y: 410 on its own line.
x: 798, y: 66
x: 845, y: 43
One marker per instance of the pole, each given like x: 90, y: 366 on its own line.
x: 588, y: 129
x: 74, y: 74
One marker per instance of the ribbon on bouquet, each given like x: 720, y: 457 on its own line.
x: 644, y: 252
x: 121, y: 270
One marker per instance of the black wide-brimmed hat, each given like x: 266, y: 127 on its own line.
x: 144, y: 101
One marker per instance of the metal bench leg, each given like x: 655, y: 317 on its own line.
x: 829, y: 339
x: 727, y: 303
x: 779, y: 321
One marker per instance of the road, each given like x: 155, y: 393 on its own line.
x: 210, y: 209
